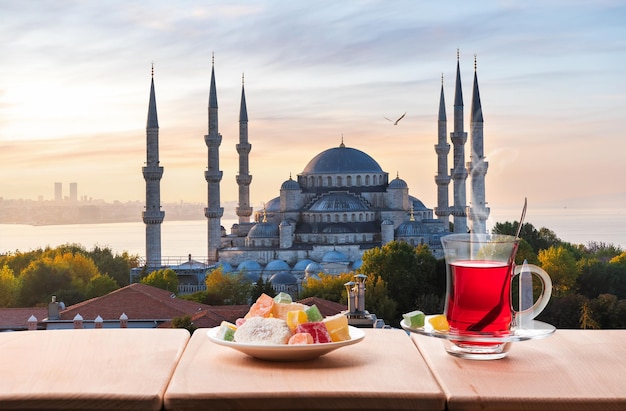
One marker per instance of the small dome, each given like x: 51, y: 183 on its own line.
x: 357, y: 264
x: 342, y: 160
x: 263, y: 230
x: 417, y: 204
x: 313, y: 269
x: 226, y: 267
x: 283, y: 278
x: 335, y: 257
x: 339, y: 202
x: 410, y: 229
x: 387, y: 221
x: 290, y: 184
x: 277, y: 265
x: 249, y: 265
x: 302, y: 265
x: 273, y: 205
x: 398, y: 183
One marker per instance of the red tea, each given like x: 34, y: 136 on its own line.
x: 479, y: 296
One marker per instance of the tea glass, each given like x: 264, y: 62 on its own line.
x: 480, y: 269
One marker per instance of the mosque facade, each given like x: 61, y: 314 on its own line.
x: 341, y: 204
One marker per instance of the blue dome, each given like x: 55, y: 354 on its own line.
x: 226, y: 268
x: 398, y: 183
x: 302, y: 265
x: 357, y: 264
x: 283, y: 278
x: 273, y: 205
x: 290, y: 184
x: 314, y: 268
x: 410, y: 229
x: 263, y: 230
x: 417, y: 204
x: 339, y: 202
x: 335, y: 257
x: 341, y: 160
x: 277, y: 265
x: 249, y: 265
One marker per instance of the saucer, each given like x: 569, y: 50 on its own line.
x: 535, y: 330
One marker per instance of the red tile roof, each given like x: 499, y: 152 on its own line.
x: 138, y: 302
x: 17, y: 318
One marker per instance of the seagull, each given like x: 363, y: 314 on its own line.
x: 395, y: 123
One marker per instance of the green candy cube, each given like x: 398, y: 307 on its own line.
x: 415, y: 319
x: 313, y: 314
x: 283, y: 298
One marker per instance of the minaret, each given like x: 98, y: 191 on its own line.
x: 213, y: 175
x: 477, y: 166
x: 243, y: 210
x: 152, y: 173
x: 442, y: 148
x: 459, y: 173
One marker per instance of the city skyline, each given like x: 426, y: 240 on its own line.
x: 76, y: 76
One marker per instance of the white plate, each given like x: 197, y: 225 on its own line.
x: 284, y: 352
x: 536, y: 330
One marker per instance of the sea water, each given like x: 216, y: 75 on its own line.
x: 182, y: 238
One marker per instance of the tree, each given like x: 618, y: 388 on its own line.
x: 328, y: 287
x: 116, y: 266
x: 404, y: 273
x: 561, y: 266
x: 262, y: 287
x: 604, y: 310
x: 184, y: 322
x: 165, y: 279
x: 100, y: 285
x: 42, y: 279
x: 9, y: 288
x: 227, y: 289
x: 377, y: 300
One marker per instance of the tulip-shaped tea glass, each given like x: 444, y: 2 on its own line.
x: 480, y: 269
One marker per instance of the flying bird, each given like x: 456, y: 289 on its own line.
x: 395, y: 123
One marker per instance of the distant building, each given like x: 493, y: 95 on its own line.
x: 58, y: 191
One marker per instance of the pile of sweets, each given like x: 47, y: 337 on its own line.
x: 279, y: 320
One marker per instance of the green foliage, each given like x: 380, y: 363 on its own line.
x: 377, y: 299
x: 165, y: 279
x: 184, y: 322
x: 329, y: 287
x: 100, y: 285
x: 9, y: 288
x: 227, y: 289
x: 408, y: 272
x: 560, y: 264
x: 41, y: 280
x: 262, y: 287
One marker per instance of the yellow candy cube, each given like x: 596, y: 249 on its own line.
x: 337, y: 326
x: 295, y: 318
x: 439, y: 322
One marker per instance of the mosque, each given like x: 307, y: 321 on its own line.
x: 341, y: 204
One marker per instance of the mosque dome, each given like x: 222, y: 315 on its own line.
x: 417, y: 204
x: 263, y: 230
x: 398, y: 183
x: 302, y: 265
x: 342, y: 160
x: 339, y: 202
x: 334, y: 257
x: 357, y: 264
x: 273, y: 205
x: 283, y: 278
x: 226, y: 267
x: 410, y: 229
x: 277, y: 265
x: 313, y: 269
x: 290, y: 184
x: 249, y: 265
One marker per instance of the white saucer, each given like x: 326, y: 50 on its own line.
x: 536, y: 330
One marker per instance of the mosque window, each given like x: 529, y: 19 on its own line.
x: 312, y: 181
x: 349, y: 181
x: 358, y: 180
x: 319, y: 181
x: 353, y: 217
x: 339, y: 181
x: 329, y: 181
x: 360, y: 216
x: 375, y: 180
x: 328, y: 218
x: 367, y: 180
x: 345, y: 218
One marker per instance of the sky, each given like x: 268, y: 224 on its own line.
x: 75, y: 80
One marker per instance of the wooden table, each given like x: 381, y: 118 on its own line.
x: 570, y: 370
x: 89, y: 369
x: 382, y: 372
